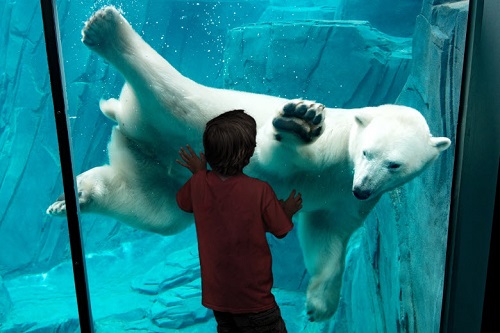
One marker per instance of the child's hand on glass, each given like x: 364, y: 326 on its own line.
x: 292, y: 204
x: 191, y: 161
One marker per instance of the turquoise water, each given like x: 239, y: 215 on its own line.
x: 320, y: 50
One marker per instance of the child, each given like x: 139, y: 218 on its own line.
x: 232, y: 214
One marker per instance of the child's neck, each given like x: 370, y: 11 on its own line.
x: 224, y: 177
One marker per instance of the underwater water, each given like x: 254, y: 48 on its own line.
x: 342, y: 53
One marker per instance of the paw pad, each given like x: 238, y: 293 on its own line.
x: 100, y: 28
x: 303, y: 118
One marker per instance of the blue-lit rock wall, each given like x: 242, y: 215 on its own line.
x: 309, y: 48
x: 345, y: 64
x: 5, y: 301
x: 393, y: 17
x: 404, y: 239
x: 439, y: 49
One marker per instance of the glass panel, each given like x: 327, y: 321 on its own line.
x: 37, y: 292
x: 344, y: 54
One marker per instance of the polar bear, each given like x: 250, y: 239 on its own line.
x: 341, y: 160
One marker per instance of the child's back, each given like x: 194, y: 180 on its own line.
x: 232, y: 213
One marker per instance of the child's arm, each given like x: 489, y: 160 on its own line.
x: 278, y: 214
x: 292, y: 204
x: 191, y: 161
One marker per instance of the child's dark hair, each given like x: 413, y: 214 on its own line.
x: 229, y: 142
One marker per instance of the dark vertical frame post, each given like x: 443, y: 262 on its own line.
x: 475, y: 177
x: 54, y: 57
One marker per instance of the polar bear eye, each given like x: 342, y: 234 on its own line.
x: 367, y: 155
x: 393, y: 165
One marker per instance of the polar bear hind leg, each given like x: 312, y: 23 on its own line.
x: 91, y: 187
x: 104, y: 31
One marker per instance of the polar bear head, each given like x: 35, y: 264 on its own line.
x: 389, y: 145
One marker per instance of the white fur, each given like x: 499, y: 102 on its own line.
x: 159, y: 110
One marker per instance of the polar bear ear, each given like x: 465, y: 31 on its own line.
x: 441, y: 143
x: 363, y: 119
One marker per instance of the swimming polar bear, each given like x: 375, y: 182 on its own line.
x: 341, y: 160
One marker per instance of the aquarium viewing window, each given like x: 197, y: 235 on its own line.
x: 408, y: 257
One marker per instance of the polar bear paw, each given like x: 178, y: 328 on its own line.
x: 58, y: 208
x: 302, y: 118
x: 103, y: 30
x: 320, y: 309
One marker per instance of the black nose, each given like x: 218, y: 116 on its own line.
x: 361, y: 194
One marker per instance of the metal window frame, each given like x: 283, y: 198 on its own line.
x: 57, y: 83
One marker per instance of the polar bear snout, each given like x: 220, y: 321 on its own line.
x: 360, y: 193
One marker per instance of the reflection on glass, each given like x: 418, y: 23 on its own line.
x: 330, y: 52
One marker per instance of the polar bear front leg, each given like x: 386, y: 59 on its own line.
x: 323, y: 292
x: 304, y: 119
x: 323, y: 239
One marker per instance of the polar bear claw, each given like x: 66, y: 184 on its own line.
x: 57, y: 208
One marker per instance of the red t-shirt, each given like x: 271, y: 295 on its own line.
x: 232, y: 217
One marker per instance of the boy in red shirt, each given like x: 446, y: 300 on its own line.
x: 232, y: 214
